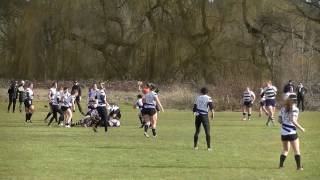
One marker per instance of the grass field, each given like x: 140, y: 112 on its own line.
x: 242, y: 150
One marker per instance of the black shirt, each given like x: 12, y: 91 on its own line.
x: 78, y: 88
x: 287, y: 88
x: 13, y: 92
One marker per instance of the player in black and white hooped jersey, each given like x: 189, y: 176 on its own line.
x: 149, y: 111
x: 56, y: 107
x: 28, y: 101
x: 248, y: 99
x: 101, y: 108
x: 51, y: 95
x: 288, y: 118
x: 202, y: 106
x: 67, y: 105
x: 270, y: 93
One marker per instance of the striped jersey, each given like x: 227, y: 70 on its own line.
x: 286, y: 118
x: 248, y: 96
x: 270, y: 92
x: 52, y: 92
x: 149, y: 100
x: 286, y: 95
x: 101, y: 96
x: 57, y: 98
x: 67, y: 99
x: 28, y: 94
x: 202, y: 105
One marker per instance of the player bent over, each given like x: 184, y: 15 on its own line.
x: 201, y: 108
x: 248, y: 98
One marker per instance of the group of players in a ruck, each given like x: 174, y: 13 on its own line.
x: 63, y: 101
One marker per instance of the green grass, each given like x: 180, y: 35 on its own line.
x: 242, y: 150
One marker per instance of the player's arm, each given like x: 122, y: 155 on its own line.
x: 253, y: 97
x: 295, y: 122
x: 49, y: 95
x: 210, y: 105
x: 159, y: 103
x: 139, y: 86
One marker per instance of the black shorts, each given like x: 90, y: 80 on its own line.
x: 262, y: 103
x: 27, y: 103
x: 148, y: 111
x: 247, y: 104
x: 271, y: 102
x: 64, y: 108
x: 290, y: 137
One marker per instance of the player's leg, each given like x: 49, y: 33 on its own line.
x: 296, y: 148
x: 9, y: 105
x: 54, y: 114
x: 147, y: 121
x: 206, y: 126
x: 298, y: 102
x: 14, y: 101
x: 302, y: 104
x: 31, y: 110
x: 284, y: 153
x: 153, y: 120
x: 69, y: 117
x: 249, y: 112
x: 20, y: 105
x: 244, y: 113
x: 49, y: 113
x: 197, y: 124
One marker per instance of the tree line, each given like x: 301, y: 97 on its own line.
x: 222, y: 42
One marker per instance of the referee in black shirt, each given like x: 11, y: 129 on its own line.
x: 13, y: 95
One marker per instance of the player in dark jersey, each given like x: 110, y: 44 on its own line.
x: 13, y: 95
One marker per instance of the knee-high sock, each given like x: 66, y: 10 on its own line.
x: 282, y: 159
x: 154, y: 132
x: 297, y: 157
